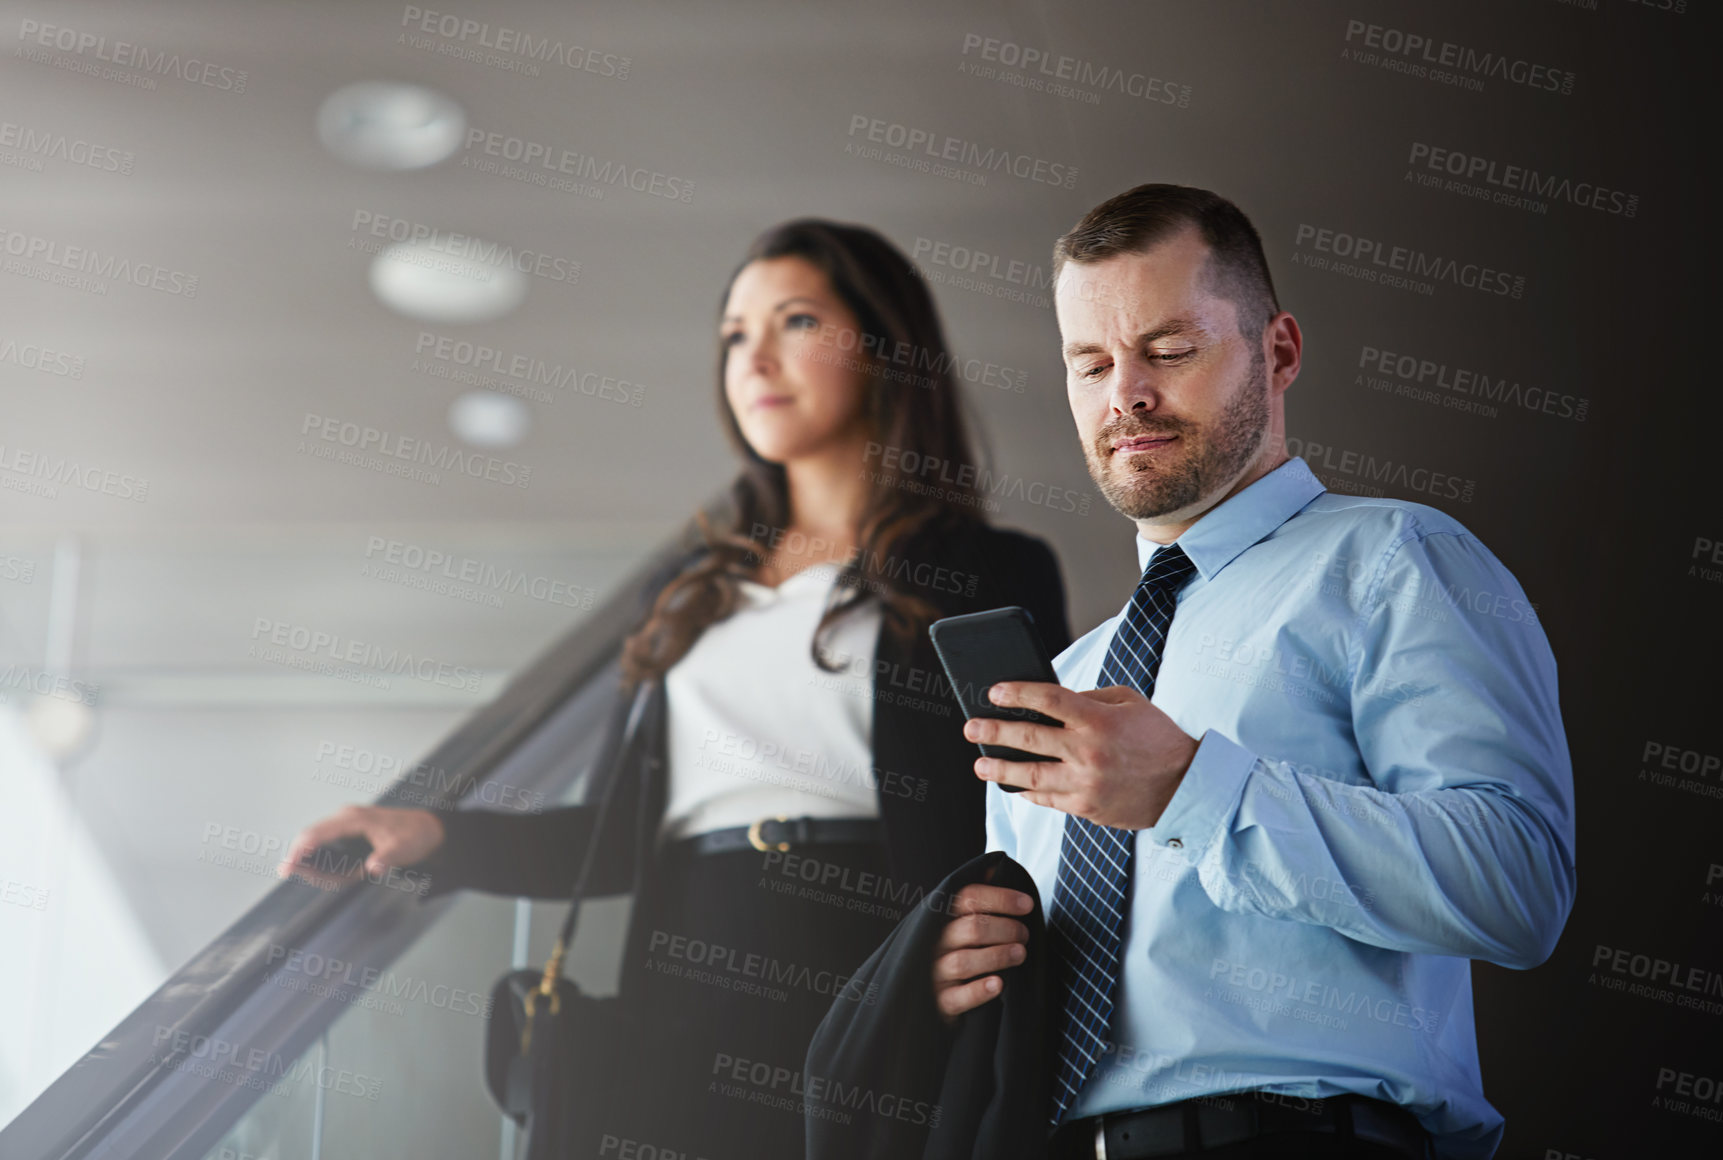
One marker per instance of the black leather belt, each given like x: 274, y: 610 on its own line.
x: 1190, y: 1126
x: 783, y: 833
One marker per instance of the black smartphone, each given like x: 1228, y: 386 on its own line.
x: 981, y: 649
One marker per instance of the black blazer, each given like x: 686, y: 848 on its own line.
x: 917, y: 733
x: 973, y: 1091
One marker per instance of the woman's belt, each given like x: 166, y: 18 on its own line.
x: 782, y: 833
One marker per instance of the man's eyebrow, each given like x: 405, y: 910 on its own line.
x: 799, y: 298
x: 1171, y: 328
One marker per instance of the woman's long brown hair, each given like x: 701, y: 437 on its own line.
x: 913, y: 415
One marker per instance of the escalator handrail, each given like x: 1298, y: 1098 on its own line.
x: 82, y: 1106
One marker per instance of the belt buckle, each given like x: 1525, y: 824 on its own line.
x: 759, y: 843
x: 1100, y: 1138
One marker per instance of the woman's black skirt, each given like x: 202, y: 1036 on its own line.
x: 737, y: 957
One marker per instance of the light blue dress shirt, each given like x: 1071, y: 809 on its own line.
x: 1382, y: 791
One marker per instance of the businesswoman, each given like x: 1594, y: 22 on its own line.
x: 791, y: 677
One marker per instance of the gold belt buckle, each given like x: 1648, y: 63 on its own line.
x: 759, y: 843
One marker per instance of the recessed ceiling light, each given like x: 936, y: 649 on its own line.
x: 489, y: 419
x: 427, y: 282
x: 62, y: 728
x: 386, y: 125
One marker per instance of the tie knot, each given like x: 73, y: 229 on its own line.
x: 1168, y: 568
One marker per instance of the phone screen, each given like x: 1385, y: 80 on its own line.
x: 983, y: 648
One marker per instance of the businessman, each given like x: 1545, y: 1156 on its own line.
x: 1313, y: 766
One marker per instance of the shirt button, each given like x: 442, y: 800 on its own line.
x: 1175, y: 844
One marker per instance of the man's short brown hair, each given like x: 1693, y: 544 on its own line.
x: 1141, y: 218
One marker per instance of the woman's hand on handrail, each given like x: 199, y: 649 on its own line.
x: 355, y: 840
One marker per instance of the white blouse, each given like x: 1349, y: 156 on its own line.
x: 756, y: 729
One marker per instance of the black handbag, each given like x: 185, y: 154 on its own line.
x: 550, y: 1047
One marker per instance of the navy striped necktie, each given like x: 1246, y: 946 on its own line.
x: 1085, y: 927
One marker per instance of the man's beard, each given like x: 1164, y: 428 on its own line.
x: 1208, y: 457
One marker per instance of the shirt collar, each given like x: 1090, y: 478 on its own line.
x: 1225, y: 531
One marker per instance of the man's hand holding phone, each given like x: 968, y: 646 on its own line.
x: 1119, y: 758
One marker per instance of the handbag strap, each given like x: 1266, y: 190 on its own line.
x: 643, y: 691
